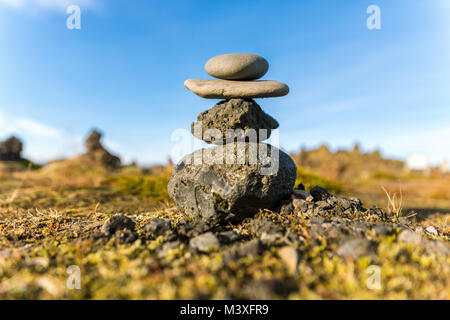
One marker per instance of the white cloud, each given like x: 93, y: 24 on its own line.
x: 37, y: 129
x: 25, y: 126
x: 48, y: 4
x: 42, y: 141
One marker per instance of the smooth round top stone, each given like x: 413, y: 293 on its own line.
x: 237, y: 66
x: 227, y: 89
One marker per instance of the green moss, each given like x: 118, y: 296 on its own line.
x: 310, y: 179
x: 45, y: 230
x: 30, y: 165
x: 147, y: 186
x: 221, y: 203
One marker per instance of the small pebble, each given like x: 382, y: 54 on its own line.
x: 291, y: 257
x: 206, y: 242
x: 117, y: 222
x: 432, y: 230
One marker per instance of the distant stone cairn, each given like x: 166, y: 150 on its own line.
x: 96, y: 153
x: 11, y: 149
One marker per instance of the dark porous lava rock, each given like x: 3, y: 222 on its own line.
x: 265, y: 225
x: 228, y: 237
x: 159, y: 227
x: 320, y: 202
x: 216, y: 191
x: 319, y: 194
x: 239, y: 250
x: 126, y: 236
x: 117, y: 223
x: 191, y: 229
x: 230, y: 115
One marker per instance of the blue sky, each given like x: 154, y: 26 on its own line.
x: 123, y: 72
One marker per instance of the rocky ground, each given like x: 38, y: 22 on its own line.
x: 131, y: 243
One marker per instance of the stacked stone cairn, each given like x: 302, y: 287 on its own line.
x: 96, y: 153
x: 241, y: 175
x: 11, y: 149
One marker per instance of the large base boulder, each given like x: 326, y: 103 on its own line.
x: 208, y: 185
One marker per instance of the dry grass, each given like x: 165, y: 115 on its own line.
x: 50, y: 219
x: 395, y: 203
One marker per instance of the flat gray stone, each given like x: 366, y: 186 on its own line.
x: 291, y: 257
x: 437, y: 247
x: 270, y: 239
x: 357, y: 248
x: 205, y: 242
x: 167, y: 247
x: 227, y: 237
x: 239, y: 250
x: 205, y: 187
x: 237, y: 66
x: 227, y: 89
x: 236, y: 120
x: 410, y: 237
x: 265, y: 225
x: 159, y: 227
